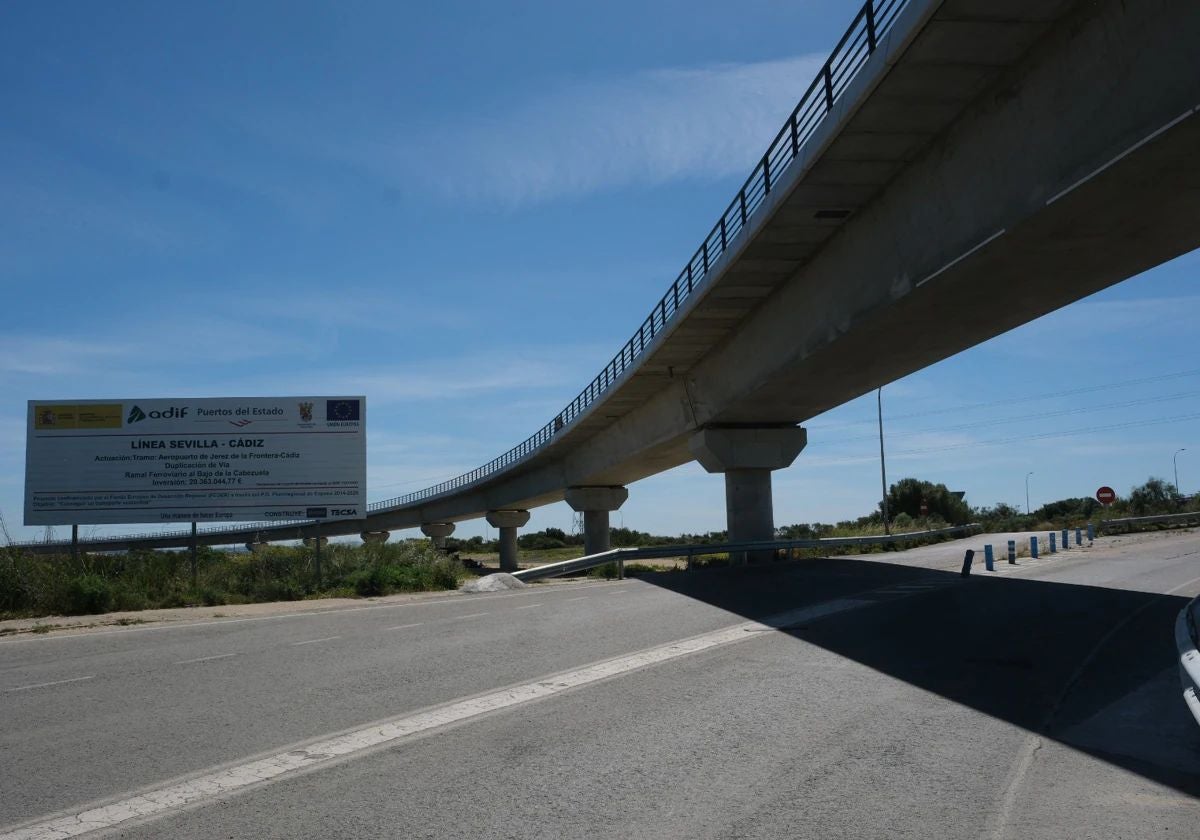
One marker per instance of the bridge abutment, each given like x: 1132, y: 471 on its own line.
x: 438, y: 531
x: 747, y: 456
x: 595, y: 503
x: 507, y: 522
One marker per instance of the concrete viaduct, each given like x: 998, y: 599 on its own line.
x: 958, y: 168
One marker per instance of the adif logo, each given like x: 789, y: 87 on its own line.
x: 175, y: 412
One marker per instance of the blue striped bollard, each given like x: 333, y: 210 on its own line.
x: 1053, y: 546
x: 1033, y: 552
x: 1091, y: 533
x: 989, y: 562
x: 1066, y: 539
x: 1012, y: 551
x: 1078, y: 536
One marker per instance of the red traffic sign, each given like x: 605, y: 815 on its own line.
x: 1106, y: 495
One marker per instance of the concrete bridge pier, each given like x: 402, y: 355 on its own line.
x: 595, y: 503
x: 375, y: 537
x: 438, y: 531
x: 747, y: 456
x: 508, y: 521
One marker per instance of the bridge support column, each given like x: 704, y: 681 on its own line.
x: 508, y: 521
x: 747, y: 456
x: 596, y: 503
x: 375, y: 537
x: 438, y: 531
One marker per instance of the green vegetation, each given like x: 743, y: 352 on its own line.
x: 35, y: 585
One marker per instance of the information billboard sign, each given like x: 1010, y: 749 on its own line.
x: 206, y: 460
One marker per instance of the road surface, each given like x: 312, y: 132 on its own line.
x: 856, y: 698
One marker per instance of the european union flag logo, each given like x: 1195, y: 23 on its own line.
x: 342, y: 410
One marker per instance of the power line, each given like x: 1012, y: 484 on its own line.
x: 1024, y: 417
x: 1125, y: 383
x: 1132, y: 424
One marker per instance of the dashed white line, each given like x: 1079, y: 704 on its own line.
x: 527, y: 607
x: 580, y: 598
x: 470, y: 615
x: 314, y: 641
x: 206, y: 658
x: 48, y: 684
x: 405, y: 626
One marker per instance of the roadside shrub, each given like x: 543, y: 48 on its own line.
x: 86, y: 595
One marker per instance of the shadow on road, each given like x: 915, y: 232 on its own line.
x: 1091, y: 667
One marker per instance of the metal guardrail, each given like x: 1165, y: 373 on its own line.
x: 866, y: 31
x: 1187, y: 640
x: 1165, y: 518
x: 623, y: 555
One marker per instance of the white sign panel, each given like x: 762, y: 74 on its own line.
x: 209, y: 460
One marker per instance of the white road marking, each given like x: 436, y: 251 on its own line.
x: 206, y: 658
x: 222, y: 783
x: 48, y: 684
x: 315, y: 641
x: 405, y: 626
x: 580, y: 598
x: 469, y: 615
x: 527, y: 607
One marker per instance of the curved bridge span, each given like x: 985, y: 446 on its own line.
x: 957, y: 168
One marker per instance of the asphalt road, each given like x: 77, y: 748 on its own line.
x: 892, y: 699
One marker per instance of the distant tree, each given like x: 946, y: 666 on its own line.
x: 1155, y: 496
x: 1078, y: 508
x: 906, y: 495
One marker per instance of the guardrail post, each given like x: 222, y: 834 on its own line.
x: 1053, y: 544
x: 1066, y: 539
x: 989, y: 562
x: 967, y: 560
x: 1091, y: 533
x: 1033, y: 547
x: 1012, y: 551
x: 620, y: 568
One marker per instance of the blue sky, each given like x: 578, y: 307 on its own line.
x: 462, y: 211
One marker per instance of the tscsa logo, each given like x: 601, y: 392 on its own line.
x: 343, y: 511
x: 175, y: 412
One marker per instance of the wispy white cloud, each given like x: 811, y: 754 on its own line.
x: 580, y: 137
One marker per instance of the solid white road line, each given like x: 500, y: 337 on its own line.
x: 48, y: 684
x: 220, y: 784
x: 315, y: 641
x: 206, y: 658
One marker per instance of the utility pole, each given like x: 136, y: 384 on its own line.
x: 1027, y: 491
x: 1175, y: 461
x: 887, y: 528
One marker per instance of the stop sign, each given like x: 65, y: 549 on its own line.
x: 1106, y: 496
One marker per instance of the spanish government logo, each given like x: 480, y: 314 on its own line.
x: 305, y: 412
